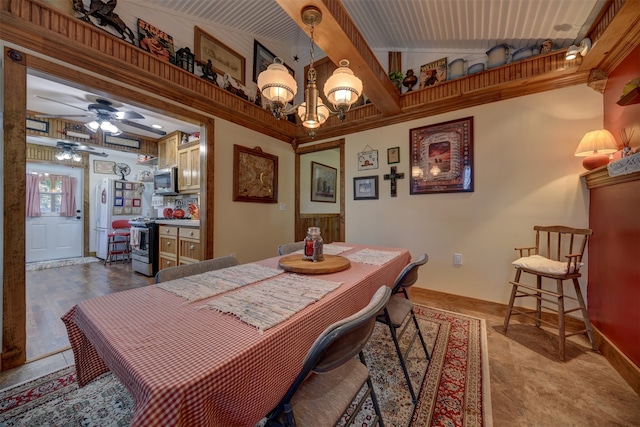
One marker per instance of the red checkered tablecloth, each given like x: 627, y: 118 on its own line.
x: 192, y: 367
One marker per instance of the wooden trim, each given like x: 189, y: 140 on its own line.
x: 207, y: 183
x: 14, y: 318
x: 599, y: 177
x: 339, y: 143
x: 621, y: 363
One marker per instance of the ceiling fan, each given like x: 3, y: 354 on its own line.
x: 69, y: 151
x: 104, y: 114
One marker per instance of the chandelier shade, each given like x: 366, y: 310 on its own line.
x: 105, y: 125
x: 278, y: 87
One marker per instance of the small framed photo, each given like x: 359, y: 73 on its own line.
x: 368, y: 160
x: 393, y: 155
x: 103, y: 166
x: 323, y: 183
x: 365, y: 188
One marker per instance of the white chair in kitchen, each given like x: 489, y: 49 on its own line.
x: 119, y: 241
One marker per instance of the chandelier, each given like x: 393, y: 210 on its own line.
x: 278, y: 87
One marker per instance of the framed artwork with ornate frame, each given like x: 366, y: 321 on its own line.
x: 223, y: 58
x: 255, y: 175
x: 442, y: 157
x: 323, y: 183
x: 365, y: 188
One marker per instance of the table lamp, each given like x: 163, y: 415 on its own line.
x: 595, y: 147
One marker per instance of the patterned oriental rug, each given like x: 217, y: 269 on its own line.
x: 453, y: 388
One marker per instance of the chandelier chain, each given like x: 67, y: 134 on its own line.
x: 311, y: 75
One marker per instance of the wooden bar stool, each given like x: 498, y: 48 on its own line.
x: 557, y: 255
x: 119, y: 242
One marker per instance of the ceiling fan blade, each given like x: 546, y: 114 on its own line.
x: 100, y: 154
x: 143, y: 127
x: 54, y: 116
x: 60, y: 102
x: 129, y: 115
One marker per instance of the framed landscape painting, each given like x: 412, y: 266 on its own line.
x: 323, y: 183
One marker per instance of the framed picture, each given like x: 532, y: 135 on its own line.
x: 365, y: 188
x: 255, y: 175
x: 323, y: 183
x: 262, y: 58
x: 156, y: 42
x: 433, y: 73
x: 442, y: 157
x: 393, y: 155
x: 103, y: 166
x: 124, y: 142
x: 38, y: 125
x: 223, y: 59
x: 368, y: 160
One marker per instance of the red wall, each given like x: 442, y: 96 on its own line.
x: 614, y: 216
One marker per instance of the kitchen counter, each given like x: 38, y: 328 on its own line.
x: 179, y: 222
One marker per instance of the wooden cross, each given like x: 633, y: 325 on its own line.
x: 393, y: 176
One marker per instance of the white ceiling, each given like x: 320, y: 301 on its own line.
x: 401, y: 25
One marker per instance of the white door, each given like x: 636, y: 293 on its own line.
x: 51, y: 236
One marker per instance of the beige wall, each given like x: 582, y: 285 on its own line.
x: 525, y: 174
x: 252, y: 231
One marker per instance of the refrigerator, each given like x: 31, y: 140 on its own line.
x: 119, y: 199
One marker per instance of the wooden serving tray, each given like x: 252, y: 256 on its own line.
x: 331, y: 264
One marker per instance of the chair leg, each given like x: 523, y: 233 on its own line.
x: 585, y: 315
x: 538, y: 301
x: 424, y: 345
x: 561, y: 319
x: 374, y: 399
x: 512, y: 300
x: 392, y: 329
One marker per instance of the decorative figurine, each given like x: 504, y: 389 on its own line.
x: 208, y: 73
x: 104, y: 13
x: 410, y: 80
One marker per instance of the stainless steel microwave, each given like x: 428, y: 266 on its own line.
x: 165, y: 182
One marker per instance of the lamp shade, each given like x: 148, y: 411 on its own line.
x: 595, y: 146
x: 276, y: 84
x: 322, y: 113
x: 343, y: 88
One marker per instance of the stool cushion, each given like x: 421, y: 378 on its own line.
x: 544, y: 265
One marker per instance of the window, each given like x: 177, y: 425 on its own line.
x: 50, y: 194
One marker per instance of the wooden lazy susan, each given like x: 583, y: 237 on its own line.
x: 331, y: 264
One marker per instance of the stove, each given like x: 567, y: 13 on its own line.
x: 144, y: 245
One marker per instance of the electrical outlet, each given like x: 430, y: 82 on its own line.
x: 457, y: 259
x: 283, y: 206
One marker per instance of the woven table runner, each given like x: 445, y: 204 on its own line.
x: 205, y: 285
x: 273, y: 301
x: 372, y: 256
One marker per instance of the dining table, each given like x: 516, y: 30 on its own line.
x: 222, y: 348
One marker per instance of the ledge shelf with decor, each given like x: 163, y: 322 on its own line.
x: 147, y: 161
x: 632, y: 97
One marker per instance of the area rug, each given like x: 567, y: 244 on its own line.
x: 453, y: 386
x: 42, y: 265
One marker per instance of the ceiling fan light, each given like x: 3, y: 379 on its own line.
x: 276, y: 84
x: 92, y: 126
x: 343, y: 88
x: 60, y: 155
x: 77, y: 157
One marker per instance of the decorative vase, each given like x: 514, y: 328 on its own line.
x: 410, y: 80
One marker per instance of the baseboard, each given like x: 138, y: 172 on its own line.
x: 618, y: 360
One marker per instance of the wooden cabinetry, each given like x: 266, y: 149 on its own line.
x: 189, y: 167
x: 168, y: 246
x: 178, y: 245
x: 189, y: 245
x: 168, y: 150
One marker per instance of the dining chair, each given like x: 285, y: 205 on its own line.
x: 331, y: 377
x: 397, y: 311
x: 184, y: 270
x: 557, y: 255
x: 288, y: 248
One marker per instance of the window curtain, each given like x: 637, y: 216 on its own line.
x: 68, y: 199
x: 33, y: 195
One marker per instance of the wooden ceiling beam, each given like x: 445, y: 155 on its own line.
x: 339, y: 39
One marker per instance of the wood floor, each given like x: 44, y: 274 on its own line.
x: 529, y: 385
x: 54, y: 291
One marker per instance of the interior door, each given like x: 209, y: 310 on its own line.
x: 51, y: 236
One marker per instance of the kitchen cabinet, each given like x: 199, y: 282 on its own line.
x: 178, y: 246
x: 168, y: 150
x: 168, y: 246
x: 189, y: 167
x: 189, y: 245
